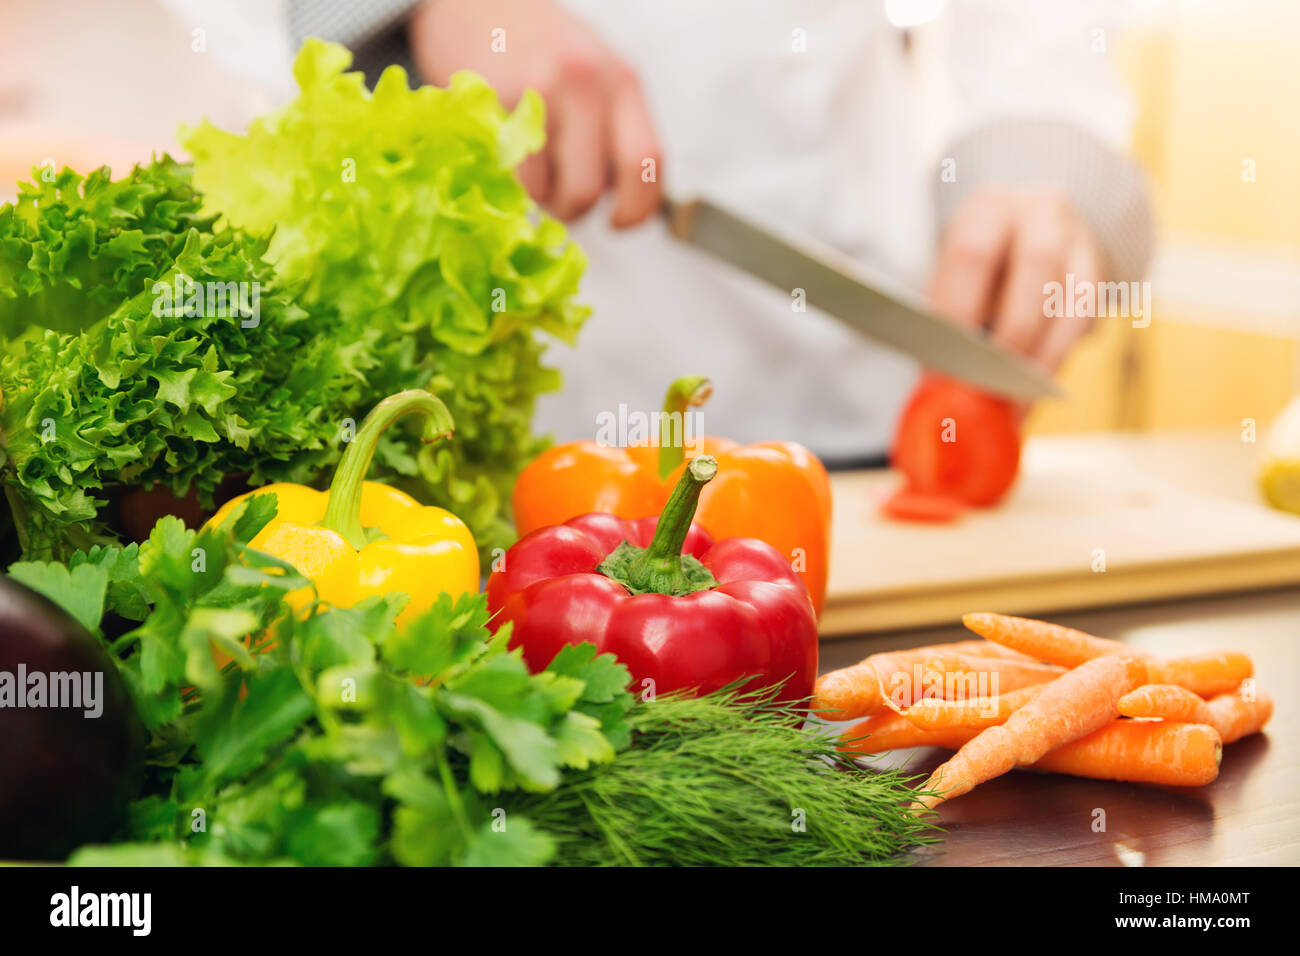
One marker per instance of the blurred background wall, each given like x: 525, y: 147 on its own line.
x: 1218, y: 91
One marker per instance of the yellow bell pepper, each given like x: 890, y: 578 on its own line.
x: 363, y: 538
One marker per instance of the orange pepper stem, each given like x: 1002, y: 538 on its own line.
x: 659, y: 567
x: 343, y: 513
x: 683, y: 395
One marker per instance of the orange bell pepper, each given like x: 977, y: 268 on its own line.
x: 775, y: 491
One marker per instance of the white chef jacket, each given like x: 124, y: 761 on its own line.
x: 812, y: 116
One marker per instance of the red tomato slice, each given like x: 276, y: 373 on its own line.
x: 908, y: 505
x: 957, y: 441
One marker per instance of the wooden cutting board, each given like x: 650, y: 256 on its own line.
x: 1093, y: 520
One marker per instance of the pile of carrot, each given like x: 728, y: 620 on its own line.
x: 1034, y: 694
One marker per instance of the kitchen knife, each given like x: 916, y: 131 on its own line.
x: 840, y: 286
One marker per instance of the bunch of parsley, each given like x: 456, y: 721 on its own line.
x: 333, y: 739
x: 337, y: 739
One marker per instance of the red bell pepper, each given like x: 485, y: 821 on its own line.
x: 680, y: 610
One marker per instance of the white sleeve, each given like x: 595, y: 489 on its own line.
x: 1032, y: 98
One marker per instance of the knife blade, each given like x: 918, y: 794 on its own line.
x: 843, y: 288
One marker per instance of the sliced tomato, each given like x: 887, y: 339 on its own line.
x: 954, y: 440
x: 908, y: 505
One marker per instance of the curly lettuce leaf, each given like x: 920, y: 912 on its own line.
x: 108, y: 383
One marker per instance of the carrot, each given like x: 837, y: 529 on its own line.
x: 1234, y: 717
x: 1166, y: 701
x: 891, y: 731
x: 864, y: 687
x: 893, y: 680
x: 1070, y: 707
x: 1207, y: 674
x: 1142, y: 751
x: 936, y: 714
x: 1044, y: 641
x: 988, y: 677
x: 1135, y: 751
x: 983, y: 648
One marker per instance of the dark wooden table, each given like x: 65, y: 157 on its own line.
x: 1249, y: 816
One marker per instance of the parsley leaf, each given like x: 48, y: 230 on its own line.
x: 329, y: 737
x: 80, y: 590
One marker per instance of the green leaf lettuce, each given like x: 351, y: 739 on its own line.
x: 400, y: 210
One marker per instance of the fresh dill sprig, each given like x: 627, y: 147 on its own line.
x: 729, y: 779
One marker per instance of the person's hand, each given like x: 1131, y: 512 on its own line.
x: 998, y: 251
x: 599, y: 131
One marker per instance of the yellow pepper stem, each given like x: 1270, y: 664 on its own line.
x: 683, y: 395
x: 343, y: 513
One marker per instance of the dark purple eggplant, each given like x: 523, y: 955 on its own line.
x: 65, y: 777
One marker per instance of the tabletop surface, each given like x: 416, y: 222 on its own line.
x: 1249, y: 816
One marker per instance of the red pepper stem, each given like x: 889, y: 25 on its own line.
x: 343, y: 513
x: 683, y: 395
x: 659, y: 567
